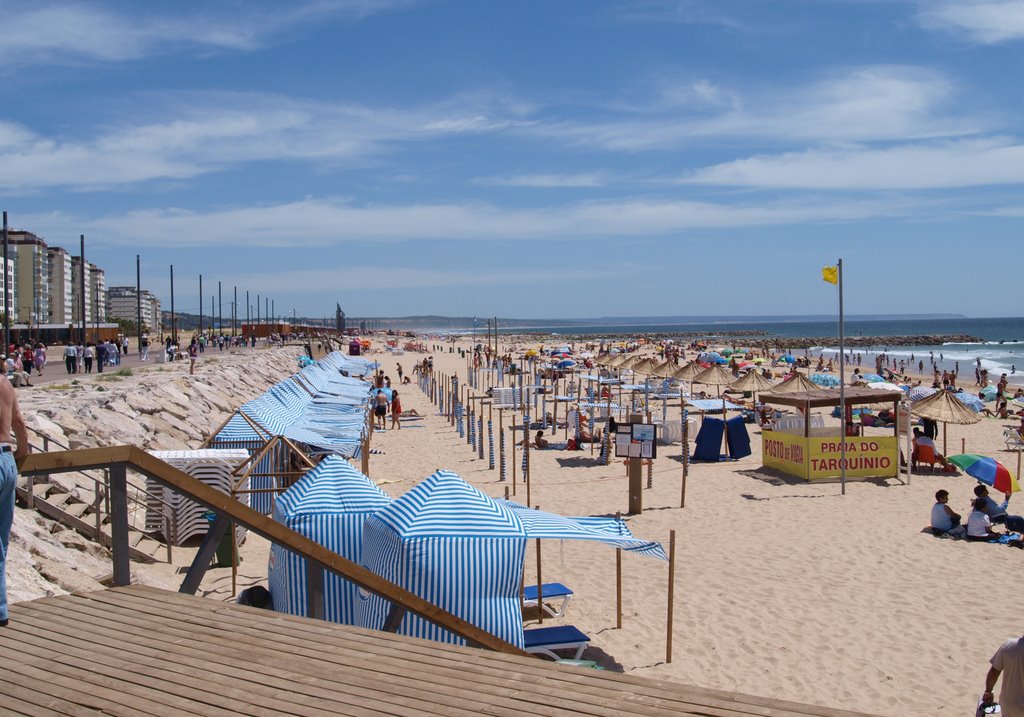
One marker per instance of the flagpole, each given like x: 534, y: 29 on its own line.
x: 842, y: 383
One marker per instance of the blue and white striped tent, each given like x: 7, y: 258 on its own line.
x: 454, y: 546
x: 460, y: 549
x: 329, y: 505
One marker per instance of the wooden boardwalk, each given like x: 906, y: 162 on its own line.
x: 141, y: 651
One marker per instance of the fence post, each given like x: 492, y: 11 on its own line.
x: 119, y: 524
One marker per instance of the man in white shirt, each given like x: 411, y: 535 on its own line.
x: 1008, y: 661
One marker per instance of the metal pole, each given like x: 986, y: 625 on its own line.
x: 842, y: 385
x: 248, y: 309
x: 200, y: 304
x: 273, y: 311
x: 138, y: 303
x: 7, y: 290
x: 81, y: 240
x: 174, y: 323
x: 234, y: 313
x: 220, y: 310
x: 258, y: 318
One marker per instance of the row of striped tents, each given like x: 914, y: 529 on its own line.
x: 460, y: 549
x: 329, y: 505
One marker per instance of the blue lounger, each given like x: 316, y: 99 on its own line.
x: 545, y: 640
x: 549, y: 591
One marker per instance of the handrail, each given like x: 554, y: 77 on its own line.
x: 118, y: 458
x: 166, y: 512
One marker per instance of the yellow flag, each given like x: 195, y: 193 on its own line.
x: 830, y: 274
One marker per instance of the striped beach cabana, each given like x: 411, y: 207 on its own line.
x: 329, y: 505
x: 454, y: 546
x: 460, y: 549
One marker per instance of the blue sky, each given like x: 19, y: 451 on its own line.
x: 529, y: 158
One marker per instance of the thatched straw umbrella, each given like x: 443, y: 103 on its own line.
x: 687, y: 372
x: 754, y: 382
x: 942, y: 406
x: 665, y: 370
x: 797, y: 384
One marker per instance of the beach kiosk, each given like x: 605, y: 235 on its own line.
x: 814, y: 453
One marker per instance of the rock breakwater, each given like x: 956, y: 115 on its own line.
x: 159, y: 408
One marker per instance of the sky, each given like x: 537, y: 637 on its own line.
x: 528, y: 159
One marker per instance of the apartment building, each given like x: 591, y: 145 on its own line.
x: 124, y: 302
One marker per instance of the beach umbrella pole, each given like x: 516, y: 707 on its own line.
x: 540, y: 583
x: 671, y: 594
x: 618, y: 582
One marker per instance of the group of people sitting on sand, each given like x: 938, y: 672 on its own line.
x: 985, y: 514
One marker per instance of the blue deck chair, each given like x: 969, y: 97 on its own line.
x: 545, y: 640
x: 709, y: 440
x: 739, y: 440
x: 549, y: 591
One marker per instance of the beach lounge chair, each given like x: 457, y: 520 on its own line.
x: 924, y: 454
x: 545, y: 640
x: 549, y: 591
x: 1012, y: 439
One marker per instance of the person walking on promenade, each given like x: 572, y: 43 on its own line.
x: 144, y: 349
x: 193, y: 355
x: 69, y: 357
x: 10, y: 418
x: 40, y: 358
x: 1008, y: 661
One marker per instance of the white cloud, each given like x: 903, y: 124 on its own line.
x: 984, y: 21
x: 965, y: 163
x: 210, y: 132
x: 360, y: 277
x: 68, y: 32
x: 876, y: 103
x: 317, y: 223
x: 546, y: 181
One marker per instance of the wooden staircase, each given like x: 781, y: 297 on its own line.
x: 87, y: 519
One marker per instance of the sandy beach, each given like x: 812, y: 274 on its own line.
x: 783, y: 588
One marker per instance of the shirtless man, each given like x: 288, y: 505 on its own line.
x: 10, y: 417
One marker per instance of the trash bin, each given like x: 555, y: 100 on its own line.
x: 223, y: 555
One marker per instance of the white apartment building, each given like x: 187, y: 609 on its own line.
x: 61, y: 286
x: 31, y: 278
x: 123, y: 302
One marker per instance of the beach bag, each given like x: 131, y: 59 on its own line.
x: 571, y: 445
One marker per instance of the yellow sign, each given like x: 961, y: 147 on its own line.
x: 818, y: 457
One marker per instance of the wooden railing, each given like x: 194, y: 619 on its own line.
x: 229, y: 511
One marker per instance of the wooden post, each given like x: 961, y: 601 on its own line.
x: 618, y: 582
x: 514, y: 453
x: 526, y: 453
x: 963, y: 449
x: 540, y: 592
x: 671, y: 593
x: 944, y: 452
x: 636, y: 478
x: 119, y: 524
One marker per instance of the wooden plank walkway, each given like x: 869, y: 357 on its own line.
x: 142, y: 651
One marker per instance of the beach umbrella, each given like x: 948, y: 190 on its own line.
x: 970, y: 400
x: 919, y: 392
x: 989, y: 393
x: 788, y: 359
x: 565, y: 363
x: 871, y: 378
x: 665, y: 370
x: 987, y: 470
x: 941, y: 406
x: 752, y: 381
x: 714, y: 376
x: 797, y: 383
x: 825, y: 380
x: 646, y: 366
x: 687, y: 372
x: 884, y: 386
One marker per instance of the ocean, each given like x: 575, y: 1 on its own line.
x: 1000, y: 348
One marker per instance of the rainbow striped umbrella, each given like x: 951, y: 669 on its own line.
x: 987, y: 470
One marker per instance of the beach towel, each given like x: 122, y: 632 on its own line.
x: 739, y: 440
x: 709, y: 440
